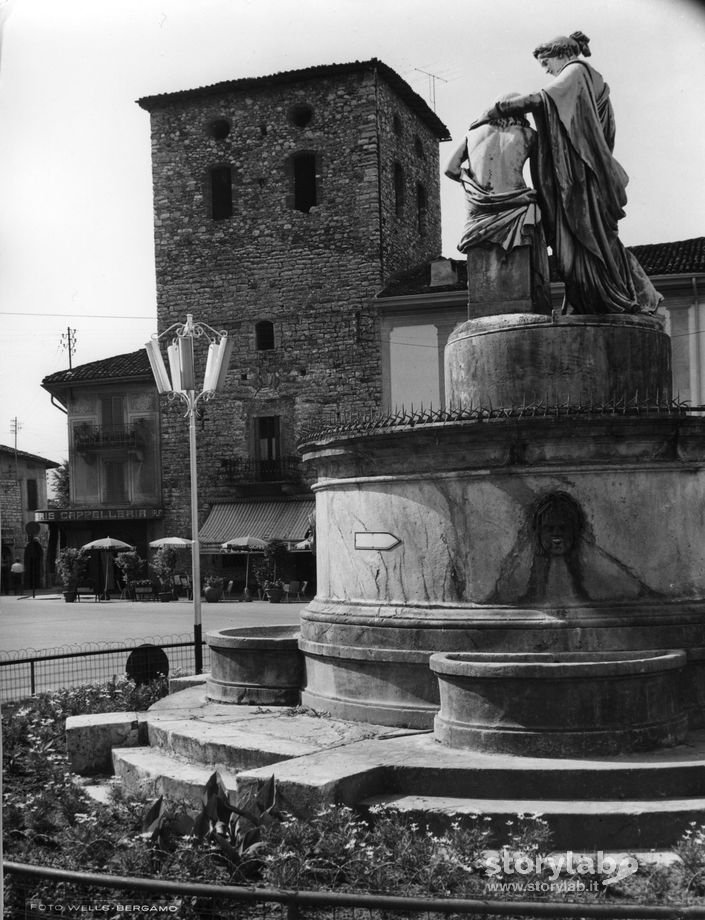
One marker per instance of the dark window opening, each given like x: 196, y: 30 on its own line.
x: 219, y: 129
x: 305, y: 194
x: 267, y: 447
x: 396, y: 124
x: 264, y: 335
x: 300, y: 115
x: 32, y: 495
x: 421, y: 207
x: 221, y: 192
x: 418, y: 147
x: 112, y: 411
x: 398, y: 189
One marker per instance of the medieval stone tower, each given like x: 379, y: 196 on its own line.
x: 282, y: 205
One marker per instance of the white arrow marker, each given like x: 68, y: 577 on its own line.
x: 380, y: 541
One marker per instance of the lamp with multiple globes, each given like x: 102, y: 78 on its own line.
x: 182, y: 385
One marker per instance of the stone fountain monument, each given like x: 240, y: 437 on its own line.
x: 524, y: 572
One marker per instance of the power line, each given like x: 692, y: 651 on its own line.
x: 85, y: 315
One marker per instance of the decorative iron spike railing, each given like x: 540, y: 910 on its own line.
x: 348, y: 423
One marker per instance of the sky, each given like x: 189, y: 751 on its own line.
x: 76, y: 244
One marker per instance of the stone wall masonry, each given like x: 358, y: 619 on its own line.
x: 12, y: 521
x: 415, y: 147
x: 313, y: 275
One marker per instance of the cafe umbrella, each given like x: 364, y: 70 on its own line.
x: 170, y: 541
x: 248, y: 544
x: 107, y: 546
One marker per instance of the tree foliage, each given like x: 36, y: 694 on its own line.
x: 60, y: 484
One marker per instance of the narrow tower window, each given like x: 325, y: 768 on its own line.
x: 304, y: 174
x: 398, y: 189
x: 221, y: 192
x: 421, y: 206
x: 264, y: 335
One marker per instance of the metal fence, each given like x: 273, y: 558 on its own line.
x: 43, y: 891
x: 28, y: 671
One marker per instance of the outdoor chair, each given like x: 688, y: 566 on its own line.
x: 293, y: 588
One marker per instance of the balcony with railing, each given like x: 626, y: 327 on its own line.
x: 246, y: 470
x: 105, y: 437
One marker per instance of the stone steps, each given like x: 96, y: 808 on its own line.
x: 150, y: 771
x: 494, y: 776
x: 636, y: 800
x: 237, y: 747
x: 578, y: 824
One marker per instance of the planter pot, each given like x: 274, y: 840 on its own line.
x: 255, y: 665
x: 275, y: 595
x: 165, y: 596
x: 69, y: 596
x: 213, y: 595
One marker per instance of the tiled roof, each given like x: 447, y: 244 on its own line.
x: 681, y: 257
x: 399, y: 85
x: 34, y: 458
x: 118, y: 367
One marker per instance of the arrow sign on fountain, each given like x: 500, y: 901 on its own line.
x: 373, y: 540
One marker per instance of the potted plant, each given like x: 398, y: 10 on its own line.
x: 72, y: 567
x: 270, y: 569
x: 163, y: 566
x: 274, y: 590
x: 143, y: 589
x: 213, y: 588
x: 131, y: 564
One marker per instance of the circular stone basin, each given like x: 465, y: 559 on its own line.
x: 255, y: 665
x: 564, y: 705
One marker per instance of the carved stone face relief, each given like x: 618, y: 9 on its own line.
x: 557, y: 525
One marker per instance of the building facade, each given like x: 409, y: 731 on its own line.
x: 23, y: 490
x: 112, y: 411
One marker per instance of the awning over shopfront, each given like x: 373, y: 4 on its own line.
x: 269, y: 520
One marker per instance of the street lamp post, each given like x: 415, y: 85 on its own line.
x: 182, y: 385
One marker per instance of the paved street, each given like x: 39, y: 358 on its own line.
x: 31, y: 628
x: 47, y: 621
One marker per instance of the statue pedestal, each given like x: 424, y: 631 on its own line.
x: 499, y: 281
x: 510, y: 361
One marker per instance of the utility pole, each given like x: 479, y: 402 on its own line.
x: 431, y: 85
x: 68, y: 343
x: 15, y: 428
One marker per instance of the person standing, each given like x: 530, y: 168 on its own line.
x: 17, y: 575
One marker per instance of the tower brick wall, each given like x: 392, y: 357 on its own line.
x: 311, y: 273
